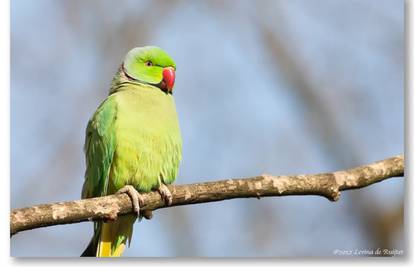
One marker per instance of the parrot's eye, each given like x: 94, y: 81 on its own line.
x: 148, y: 63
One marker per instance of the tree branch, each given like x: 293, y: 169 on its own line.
x: 327, y: 185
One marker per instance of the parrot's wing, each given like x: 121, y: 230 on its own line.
x: 99, y: 149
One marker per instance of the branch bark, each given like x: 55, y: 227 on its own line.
x: 327, y: 185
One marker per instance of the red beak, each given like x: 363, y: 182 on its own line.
x: 168, y: 78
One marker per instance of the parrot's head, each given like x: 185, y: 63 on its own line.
x: 150, y: 65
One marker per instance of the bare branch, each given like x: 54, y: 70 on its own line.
x: 327, y: 185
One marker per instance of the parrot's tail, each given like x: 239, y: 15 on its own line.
x: 107, y: 241
x: 110, y: 238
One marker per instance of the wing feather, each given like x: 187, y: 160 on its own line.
x: 99, y: 149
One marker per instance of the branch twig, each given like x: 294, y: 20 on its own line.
x: 327, y: 185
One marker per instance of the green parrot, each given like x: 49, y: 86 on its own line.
x: 133, y: 143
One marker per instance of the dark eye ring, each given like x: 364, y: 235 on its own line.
x: 148, y: 63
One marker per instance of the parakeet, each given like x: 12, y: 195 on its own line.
x: 133, y: 141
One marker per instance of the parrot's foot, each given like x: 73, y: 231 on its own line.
x: 165, y: 194
x: 136, y: 197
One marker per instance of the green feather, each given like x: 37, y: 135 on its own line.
x: 136, y: 64
x: 99, y: 149
x: 134, y: 137
x: 148, y: 141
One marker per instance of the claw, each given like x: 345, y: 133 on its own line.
x: 165, y: 194
x: 136, y: 198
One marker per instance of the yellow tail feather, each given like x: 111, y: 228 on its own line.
x: 111, y: 232
x: 119, y: 250
x: 105, y: 241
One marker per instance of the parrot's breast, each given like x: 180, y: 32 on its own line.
x: 148, y: 140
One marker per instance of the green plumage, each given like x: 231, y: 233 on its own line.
x: 134, y: 137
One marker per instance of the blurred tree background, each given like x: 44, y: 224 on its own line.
x: 281, y: 87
